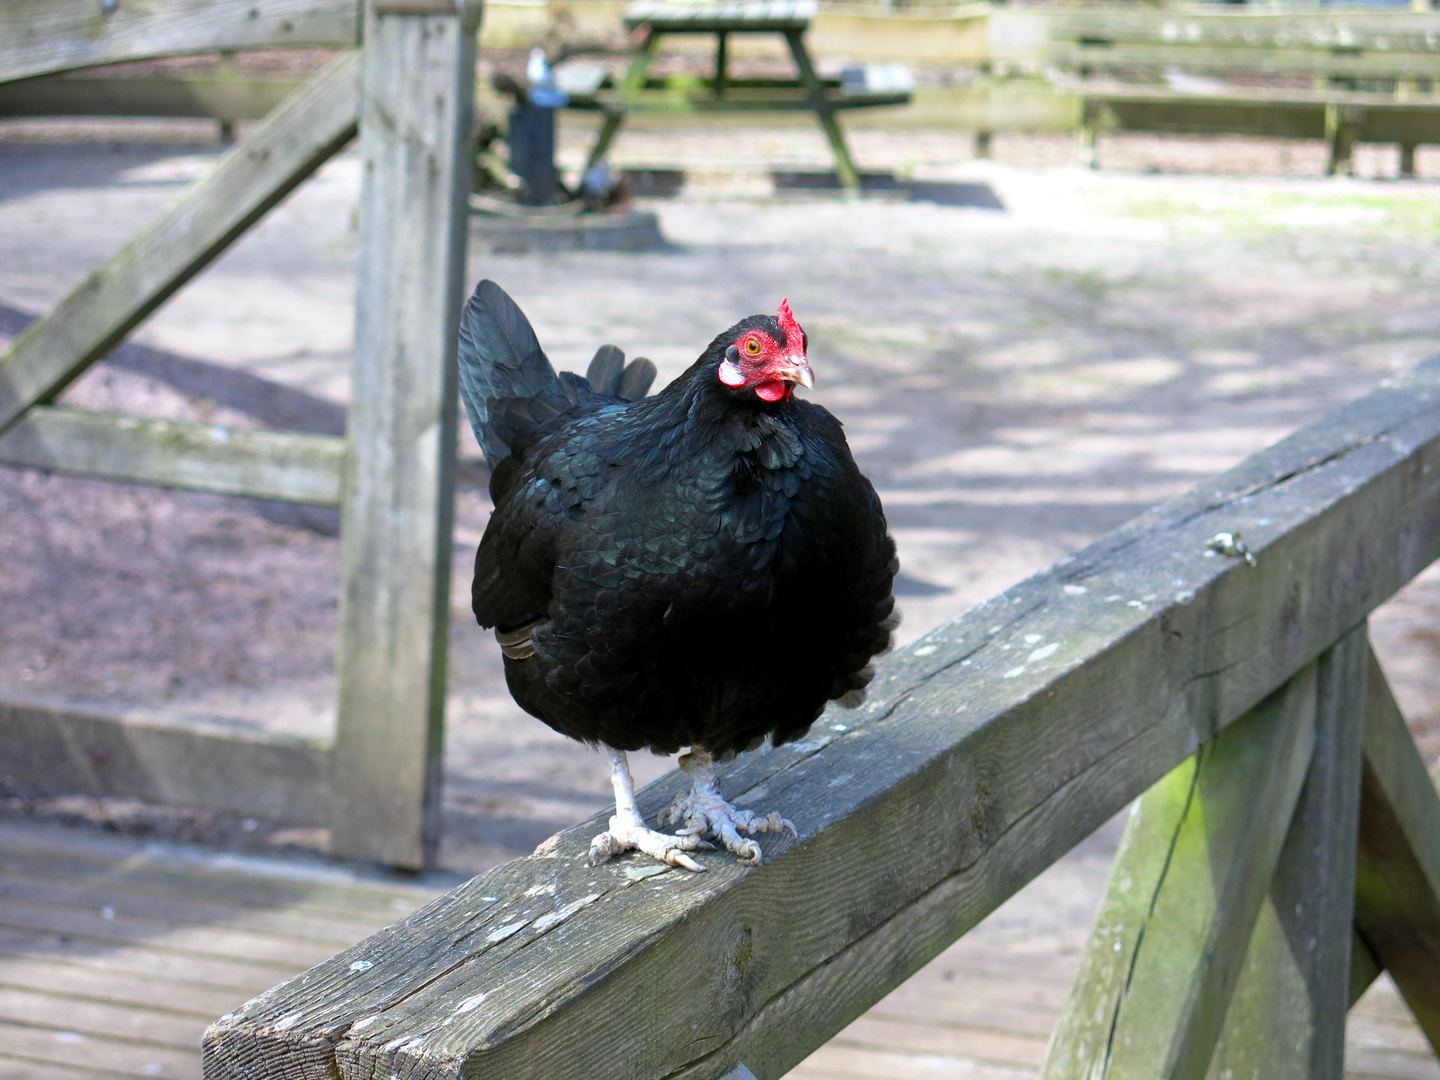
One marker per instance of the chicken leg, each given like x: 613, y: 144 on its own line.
x: 706, y: 813
x: 627, y: 830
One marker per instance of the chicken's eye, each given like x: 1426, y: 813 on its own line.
x: 752, y: 347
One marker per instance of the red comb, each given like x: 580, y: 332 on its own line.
x: 794, y: 336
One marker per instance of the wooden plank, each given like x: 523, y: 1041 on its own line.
x: 50, y: 748
x: 1321, y: 32
x: 107, y: 1056
x: 988, y: 748
x: 1206, y: 60
x: 62, y: 1012
x: 220, y: 97
x: 1397, y: 887
x: 151, y: 868
x: 115, y: 297
x: 1188, y: 883
x: 37, y: 973
x: 40, y: 36
x: 19, y: 1069
x: 178, y: 453
x: 157, y: 870
x: 395, y: 537
x: 1025, y: 1049
x: 242, y: 979
x: 282, y: 924
x: 216, y: 941
x: 1287, y: 1018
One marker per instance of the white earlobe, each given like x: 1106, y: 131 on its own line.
x: 730, y: 374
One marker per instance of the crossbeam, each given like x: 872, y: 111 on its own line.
x: 177, y: 453
x: 989, y: 747
x: 118, y: 295
x: 38, y: 37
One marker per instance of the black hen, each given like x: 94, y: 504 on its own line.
x: 702, y: 568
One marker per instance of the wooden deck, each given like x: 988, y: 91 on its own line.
x: 116, y: 953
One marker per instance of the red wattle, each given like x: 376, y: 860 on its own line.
x: 773, y: 390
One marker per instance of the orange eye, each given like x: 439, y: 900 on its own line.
x: 752, y: 347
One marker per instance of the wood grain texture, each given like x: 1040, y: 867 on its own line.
x: 178, y: 453
x: 988, y: 748
x: 1187, y: 886
x: 51, y: 748
x: 395, y: 537
x: 1397, y: 888
x: 116, y: 297
x: 40, y: 36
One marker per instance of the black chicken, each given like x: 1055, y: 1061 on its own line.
x: 701, y: 568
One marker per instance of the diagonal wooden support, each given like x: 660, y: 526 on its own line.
x: 1397, y: 885
x: 256, y: 174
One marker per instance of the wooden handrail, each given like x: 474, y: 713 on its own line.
x: 988, y: 748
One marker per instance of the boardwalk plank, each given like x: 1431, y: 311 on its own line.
x: 134, y: 1023
x: 333, y: 934
x: 110, y: 1056
x: 15, y: 1069
x: 879, y: 1033
x: 239, y: 879
x: 209, y: 941
x: 97, y: 984
x: 248, y: 979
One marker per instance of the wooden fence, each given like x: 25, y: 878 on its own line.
x: 988, y: 748
x: 408, y: 92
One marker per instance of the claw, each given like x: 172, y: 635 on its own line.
x: 675, y: 857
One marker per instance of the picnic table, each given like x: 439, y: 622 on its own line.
x: 638, y: 91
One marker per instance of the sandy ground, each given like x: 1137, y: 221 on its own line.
x: 1017, y: 382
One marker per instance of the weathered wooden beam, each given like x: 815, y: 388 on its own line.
x: 177, y: 453
x: 1207, y: 60
x: 1397, y: 887
x: 42, y: 36
x: 114, y: 298
x: 1188, y: 883
x: 1320, y: 32
x: 418, y: 91
x: 64, y: 748
x: 1286, y: 1020
x: 988, y: 748
x: 220, y: 97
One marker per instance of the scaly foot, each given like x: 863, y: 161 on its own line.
x: 634, y: 836
x: 705, y: 812
x: 627, y: 830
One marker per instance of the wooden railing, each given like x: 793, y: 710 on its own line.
x: 410, y: 104
x: 988, y: 748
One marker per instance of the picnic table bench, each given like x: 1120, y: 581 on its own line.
x: 1372, y: 75
x: 638, y: 91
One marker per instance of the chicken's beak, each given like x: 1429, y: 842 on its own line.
x: 796, y: 371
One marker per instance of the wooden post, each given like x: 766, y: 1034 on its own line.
x: 1397, y: 887
x: 1189, y: 881
x: 1287, y: 1018
x: 417, y: 92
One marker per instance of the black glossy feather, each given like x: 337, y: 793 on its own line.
x: 697, y: 568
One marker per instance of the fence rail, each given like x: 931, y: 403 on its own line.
x: 988, y: 748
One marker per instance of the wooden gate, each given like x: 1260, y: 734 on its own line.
x: 408, y: 91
